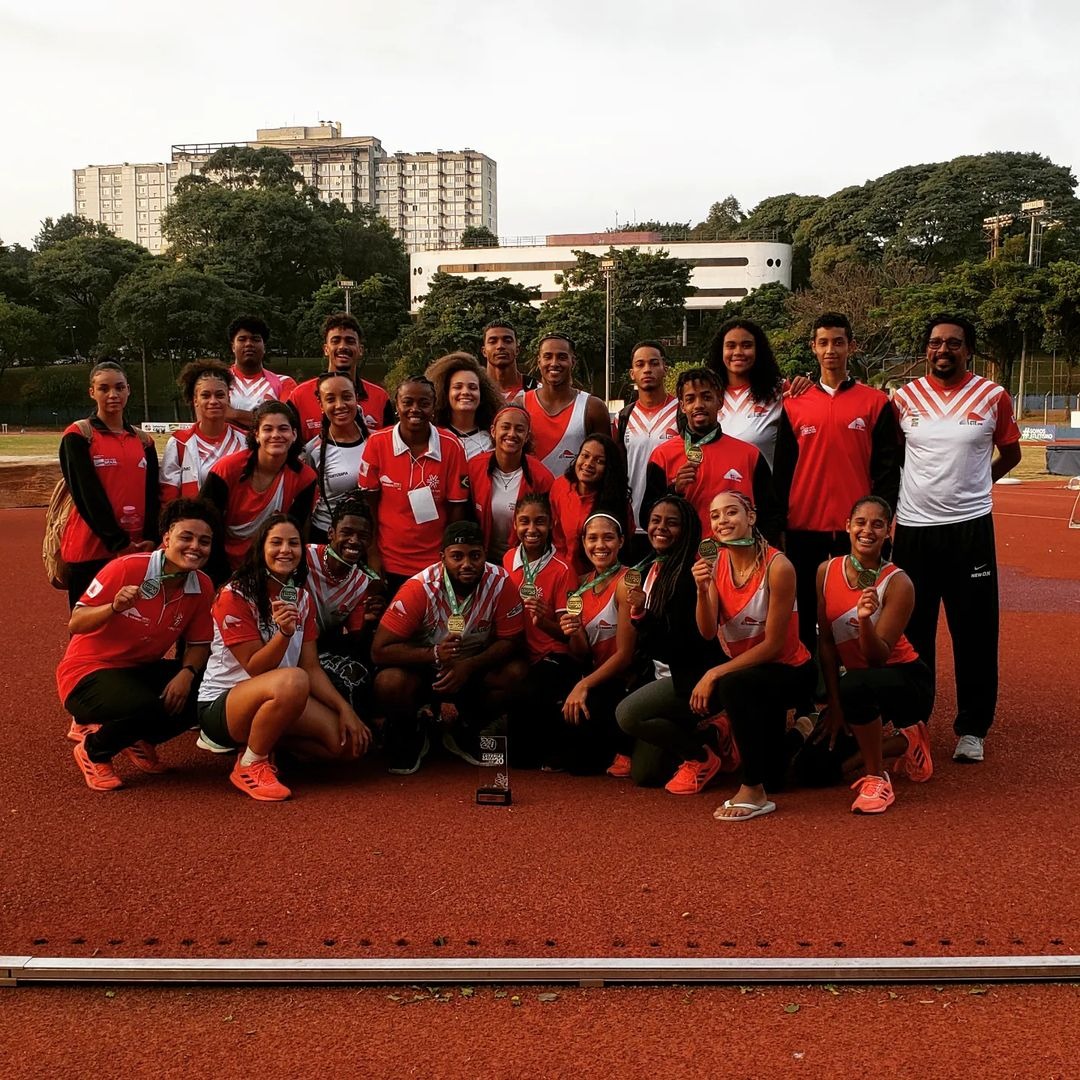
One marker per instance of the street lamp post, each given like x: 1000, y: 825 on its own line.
x: 607, y: 268
x: 348, y: 286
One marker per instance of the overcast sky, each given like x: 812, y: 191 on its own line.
x: 595, y: 110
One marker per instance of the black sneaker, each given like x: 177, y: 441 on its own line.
x: 405, y: 759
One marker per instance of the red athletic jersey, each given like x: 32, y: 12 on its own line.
x: 249, y: 392
x: 553, y: 580
x: 372, y: 401
x: 406, y: 541
x: 841, y: 612
x: 419, y: 611
x: 246, y: 508
x: 190, y: 455
x: 120, y: 467
x: 743, y: 610
x: 727, y: 464
x: 143, y: 633
x: 835, y: 438
x: 481, y: 488
x: 557, y: 439
x: 600, y: 618
x: 337, y: 603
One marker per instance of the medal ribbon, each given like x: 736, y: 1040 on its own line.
x: 598, y: 580
x: 451, y: 597
x: 704, y: 440
x: 372, y: 576
x: 860, y: 569
x: 742, y: 541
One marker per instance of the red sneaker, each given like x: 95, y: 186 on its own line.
x: 77, y: 732
x: 692, y: 776
x: 620, y: 767
x: 726, y: 750
x: 259, y: 780
x: 915, y: 763
x: 143, y: 756
x: 875, y: 795
x: 99, y: 775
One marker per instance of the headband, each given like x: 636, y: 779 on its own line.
x: 593, y: 517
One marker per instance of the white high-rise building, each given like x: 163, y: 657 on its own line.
x: 428, y: 198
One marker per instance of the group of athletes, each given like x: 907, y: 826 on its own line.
x: 711, y: 582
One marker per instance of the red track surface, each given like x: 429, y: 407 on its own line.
x: 364, y: 864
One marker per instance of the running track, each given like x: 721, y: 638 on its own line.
x: 979, y: 861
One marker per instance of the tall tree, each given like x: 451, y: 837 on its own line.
x: 478, y: 236
x: 25, y: 334
x: 67, y: 227
x: 237, y: 167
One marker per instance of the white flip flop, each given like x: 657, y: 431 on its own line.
x: 766, y: 807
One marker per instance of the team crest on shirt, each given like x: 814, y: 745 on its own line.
x: 733, y: 474
x: 858, y: 424
x: 808, y: 429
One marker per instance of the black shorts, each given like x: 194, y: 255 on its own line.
x: 212, y: 720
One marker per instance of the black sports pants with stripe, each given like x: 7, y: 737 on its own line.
x: 957, y: 565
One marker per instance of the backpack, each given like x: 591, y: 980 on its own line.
x: 57, y: 514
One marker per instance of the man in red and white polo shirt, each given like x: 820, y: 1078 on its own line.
x: 952, y: 421
x: 343, y: 347
x: 452, y: 637
x: 252, y: 383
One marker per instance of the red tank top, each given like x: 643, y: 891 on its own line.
x: 556, y: 439
x: 744, y: 609
x: 600, y: 618
x: 841, y: 604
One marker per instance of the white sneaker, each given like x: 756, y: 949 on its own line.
x: 969, y: 750
x: 204, y: 742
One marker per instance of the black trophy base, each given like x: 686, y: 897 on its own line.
x: 489, y: 796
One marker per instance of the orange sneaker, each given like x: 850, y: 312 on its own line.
x: 915, y: 763
x: 143, y: 756
x: 77, y: 732
x: 99, y: 775
x: 875, y: 795
x: 692, y: 776
x: 726, y: 750
x: 259, y: 780
x: 620, y: 767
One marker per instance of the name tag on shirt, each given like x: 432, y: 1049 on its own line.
x: 423, y: 505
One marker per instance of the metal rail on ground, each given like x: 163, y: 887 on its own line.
x: 585, y: 971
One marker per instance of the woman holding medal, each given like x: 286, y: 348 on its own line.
x: 864, y: 604
x: 499, y: 477
x: 747, y: 598
x: 124, y: 698
x: 597, y: 625
x: 668, y: 734
x: 466, y: 400
x: 191, y: 453
x: 348, y: 597
x: 335, y: 453
x: 266, y: 479
x: 595, y: 482
x: 263, y: 686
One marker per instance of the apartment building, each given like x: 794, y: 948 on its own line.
x: 428, y: 198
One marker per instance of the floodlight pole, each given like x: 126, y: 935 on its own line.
x: 607, y: 268
x: 348, y: 286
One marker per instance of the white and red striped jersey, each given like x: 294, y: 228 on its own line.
x: 645, y: 430
x: 189, y: 456
x: 420, y: 610
x: 340, y: 475
x: 950, y: 435
x: 755, y: 422
x: 248, y: 393
x: 337, y: 602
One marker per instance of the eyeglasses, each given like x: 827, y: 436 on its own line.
x: 952, y: 344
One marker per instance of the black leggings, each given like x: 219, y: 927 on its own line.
x: 127, y: 703
x: 899, y: 694
x: 756, y: 700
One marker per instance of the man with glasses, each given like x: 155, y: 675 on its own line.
x: 952, y: 420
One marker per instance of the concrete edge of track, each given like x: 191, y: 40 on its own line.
x: 584, y: 971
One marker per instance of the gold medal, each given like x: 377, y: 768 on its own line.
x: 866, y: 579
x: 288, y: 594
x: 574, y: 605
x: 694, y: 454
x: 527, y: 592
x: 632, y: 578
x: 455, y: 624
x: 149, y: 588
x: 708, y: 550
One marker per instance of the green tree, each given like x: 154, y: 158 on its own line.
x: 237, y: 167
x: 25, y: 334
x: 15, y: 281
x: 478, y: 236
x: 723, y: 221
x: 1061, y: 313
x: 379, y: 304
x: 367, y: 243
x: 67, y: 227
x: 580, y: 313
x: 73, y: 278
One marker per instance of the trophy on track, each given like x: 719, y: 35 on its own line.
x: 494, y: 789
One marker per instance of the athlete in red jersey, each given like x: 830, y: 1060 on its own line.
x: 192, y: 452
x: 123, y: 696
x: 252, y: 383
x: 343, y: 347
x: 499, y: 349
x: 561, y: 415
x: 112, y: 473
x: 864, y: 603
x: 747, y: 596
x: 268, y: 478
x: 454, y: 631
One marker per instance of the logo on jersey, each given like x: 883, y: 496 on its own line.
x: 363, y: 467
x: 567, y: 455
x: 233, y: 621
x: 397, y: 607
x: 385, y: 481
x: 603, y: 624
x: 733, y: 474
x: 749, y: 620
x: 102, y: 462
x: 808, y: 429
x: 858, y: 424
x: 973, y: 419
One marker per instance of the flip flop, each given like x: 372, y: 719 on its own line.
x: 755, y: 811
